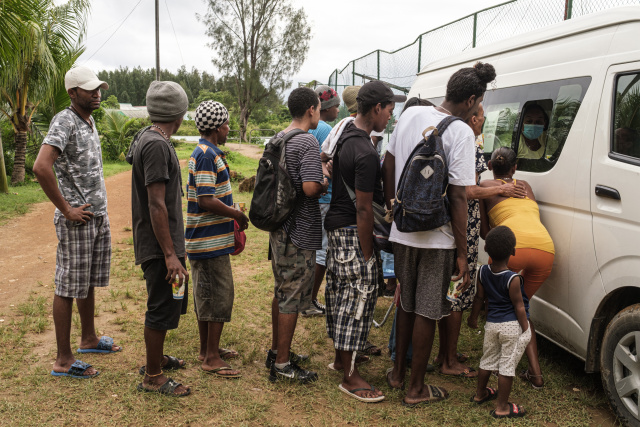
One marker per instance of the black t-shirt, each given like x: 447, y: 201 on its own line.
x: 154, y: 160
x: 358, y: 163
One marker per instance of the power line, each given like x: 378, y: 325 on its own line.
x: 178, y: 44
x: 116, y: 30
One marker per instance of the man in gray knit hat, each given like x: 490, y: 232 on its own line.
x: 329, y: 108
x: 210, y: 236
x: 158, y: 231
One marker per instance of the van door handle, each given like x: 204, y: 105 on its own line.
x: 604, y: 191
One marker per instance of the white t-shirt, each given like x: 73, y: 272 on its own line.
x: 459, y: 146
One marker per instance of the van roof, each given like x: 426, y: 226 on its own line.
x: 591, y: 22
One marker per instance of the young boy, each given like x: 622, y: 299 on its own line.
x: 507, y: 331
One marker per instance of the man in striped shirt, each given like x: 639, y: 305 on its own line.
x: 209, y: 236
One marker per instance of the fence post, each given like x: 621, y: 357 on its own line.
x: 419, y: 51
x: 378, y: 64
x: 568, y: 8
x: 475, y: 27
x: 353, y: 72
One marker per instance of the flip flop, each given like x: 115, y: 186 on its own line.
x: 436, y: 394
x: 467, y: 373
x: 492, y: 393
x: 371, y: 350
x: 104, y: 346
x: 226, y: 353
x: 173, y: 363
x: 515, y: 411
x: 77, y: 369
x: 353, y: 394
x: 217, y: 371
x: 386, y: 375
x: 168, y: 389
x: 360, y: 359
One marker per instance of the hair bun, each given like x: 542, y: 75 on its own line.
x: 485, y: 72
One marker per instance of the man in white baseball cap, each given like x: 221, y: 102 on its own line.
x: 83, y: 78
x: 77, y: 189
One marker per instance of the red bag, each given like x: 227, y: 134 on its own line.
x: 239, y: 237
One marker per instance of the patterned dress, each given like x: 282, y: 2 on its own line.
x: 473, y: 237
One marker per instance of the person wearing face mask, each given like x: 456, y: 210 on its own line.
x: 535, y: 142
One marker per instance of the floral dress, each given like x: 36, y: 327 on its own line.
x: 473, y: 237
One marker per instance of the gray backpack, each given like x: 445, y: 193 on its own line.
x: 274, y: 196
x: 421, y: 201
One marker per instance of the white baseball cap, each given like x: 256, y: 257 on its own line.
x: 83, y: 78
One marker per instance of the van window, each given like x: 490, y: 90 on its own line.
x: 625, y: 138
x: 538, y: 143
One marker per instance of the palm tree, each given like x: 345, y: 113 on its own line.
x: 49, y: 41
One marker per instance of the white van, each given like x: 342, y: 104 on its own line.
x: 585, y: 72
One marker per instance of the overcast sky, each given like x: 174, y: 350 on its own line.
x: 342, y: 30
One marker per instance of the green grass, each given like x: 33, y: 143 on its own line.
x: 31, y: 396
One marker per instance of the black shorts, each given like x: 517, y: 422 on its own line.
x: 163, y: 312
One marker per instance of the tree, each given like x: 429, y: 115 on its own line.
x: 111, y: 102
x: 259, y: 43
x: 50, y: 39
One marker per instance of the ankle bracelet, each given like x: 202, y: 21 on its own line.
x: 156, y: 375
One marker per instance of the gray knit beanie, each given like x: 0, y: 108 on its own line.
x: 166, y: 101
x: 328, y: 97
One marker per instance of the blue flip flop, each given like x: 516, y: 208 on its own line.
x: 77, y: 369
x: 104, y: 346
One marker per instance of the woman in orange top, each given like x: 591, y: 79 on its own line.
x: 534, y: 248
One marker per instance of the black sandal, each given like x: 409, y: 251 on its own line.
x: 492, y: 393
x: 173, y: 363
x: 168, y: 389
x: 515, y: 411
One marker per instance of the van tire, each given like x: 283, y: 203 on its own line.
x: 622, y: 333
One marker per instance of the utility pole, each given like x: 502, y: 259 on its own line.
x: 157, y: 41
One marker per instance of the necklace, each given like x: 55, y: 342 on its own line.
x: 503, y: 178
x: 445, y: 110
x: 161, y: 131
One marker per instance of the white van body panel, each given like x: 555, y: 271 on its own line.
x: 585, y: 47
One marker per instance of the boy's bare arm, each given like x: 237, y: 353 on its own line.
x: 518, y: 303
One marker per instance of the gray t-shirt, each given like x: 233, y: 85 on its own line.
x: 79, y: 165
x: 154, y: 160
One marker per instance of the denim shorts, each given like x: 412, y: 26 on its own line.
x: 212, y: 288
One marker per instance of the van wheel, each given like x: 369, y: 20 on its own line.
x: 620, y: 364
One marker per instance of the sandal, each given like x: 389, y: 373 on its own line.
x: 467, y: 373
x: 371, y: 350
x: 226, y: 353
x: 168, y: 389
x: 389, y: 381
x: 352, y: 393
x: 217, y: 373
x: 436, y: 394
x: 172, y: 364
x: 515, y: 411
x: 492, y: 393
x: 77, y: 370
x: 526, y: 376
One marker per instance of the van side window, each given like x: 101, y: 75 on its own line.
x: 534, y: 120
x: 625, y: 138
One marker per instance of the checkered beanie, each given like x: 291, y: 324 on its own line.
x: 210, y: 115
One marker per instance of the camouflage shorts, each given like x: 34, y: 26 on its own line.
x: 293, y: 270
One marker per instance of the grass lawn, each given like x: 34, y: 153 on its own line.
x: 31, y: 396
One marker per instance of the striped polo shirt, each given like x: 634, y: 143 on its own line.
x: 208, y: 235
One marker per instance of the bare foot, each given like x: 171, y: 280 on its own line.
x: 93, y: 343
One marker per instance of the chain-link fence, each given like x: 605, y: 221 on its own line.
x: 399, y: 68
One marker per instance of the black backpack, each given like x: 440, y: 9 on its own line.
x: 274, y: 196
x: 421, y: 201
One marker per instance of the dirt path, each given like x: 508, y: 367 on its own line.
x: 28, y: 243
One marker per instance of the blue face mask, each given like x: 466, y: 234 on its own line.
x: 532, y: 131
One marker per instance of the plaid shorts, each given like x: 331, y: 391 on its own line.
x: 347, y: 274
x: 83, y: 258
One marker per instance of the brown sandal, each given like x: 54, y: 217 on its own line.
x: 526, y: 376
